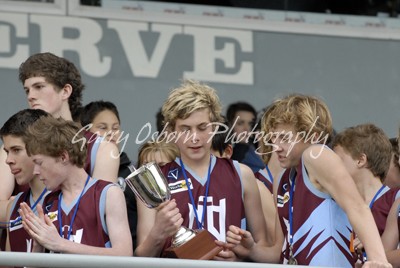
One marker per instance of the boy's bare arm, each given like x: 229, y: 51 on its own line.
x: 262, y: 250
x: 328, y: 174
x: 155, y: 226
x: 390, y: 237
x: 107, y: 162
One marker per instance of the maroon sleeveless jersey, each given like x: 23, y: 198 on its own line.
x: 320, y: 228
x: 264, y: 177
x: 381, y: 207
x: 224, y: 205
x: 17, y: 189
x: 89, y: 226
x: 20, y: 240
x: 20, y: 188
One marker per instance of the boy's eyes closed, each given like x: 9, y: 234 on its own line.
x: 202, y: 128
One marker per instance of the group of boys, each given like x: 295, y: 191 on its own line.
x: 320, y: 215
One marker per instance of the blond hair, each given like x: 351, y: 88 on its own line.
x: 304, y: 113
x: 266, y: 147
x: 170, y: 150
x: 190, y: 97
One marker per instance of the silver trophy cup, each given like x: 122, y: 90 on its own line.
x: 151, y: 187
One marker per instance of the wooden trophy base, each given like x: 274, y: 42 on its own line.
x: 200, y: 247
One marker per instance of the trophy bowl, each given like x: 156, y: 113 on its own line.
x: 151, y: 187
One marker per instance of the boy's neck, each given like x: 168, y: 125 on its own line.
x: 368, y: 185
x: 36, y: 187
x: 200, y: 167
x: 274, y: 166
x: 64, y: 113
x: 73, y: 184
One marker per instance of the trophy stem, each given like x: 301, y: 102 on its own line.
x: 182, y: 236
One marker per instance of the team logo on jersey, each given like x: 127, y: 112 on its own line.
x: 16, y: 224
x: 173, y: 174
x: 180, y: 186
x: 282, y: 200
x: 53, y: 216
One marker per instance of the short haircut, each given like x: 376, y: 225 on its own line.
x: 92, y: 109
x: 169, y: 149
x: 370, y: 140
x: 238, y: 107
x: 395, y: 151
x: 57, y: 71
x: 220, y: 141
x: 53, y: 136
x: 18, y: 123
x: 190, y: 97
x: 159, y: 121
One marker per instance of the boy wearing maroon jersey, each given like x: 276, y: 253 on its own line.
x: 82, y: 215
x: 54, y: 84
x: 316, y: 196
x: 366, y: 152
x: 21, y: 166
x: 209, y: 192
x: 391, y: 235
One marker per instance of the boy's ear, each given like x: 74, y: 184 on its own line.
x: 362, y: 161
x: 228, y: 151
x: 66, y: 91
x: 64, y: 157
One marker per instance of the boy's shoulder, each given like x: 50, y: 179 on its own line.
x: 316, y: 152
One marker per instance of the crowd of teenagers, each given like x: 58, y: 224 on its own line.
x: 285, y: 188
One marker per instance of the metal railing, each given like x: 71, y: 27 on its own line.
x: 88, y: 261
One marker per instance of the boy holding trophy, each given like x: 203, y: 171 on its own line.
x: 208, y: 193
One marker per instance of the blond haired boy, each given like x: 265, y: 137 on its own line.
x: 317, y: 200
x: 220, y: 192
